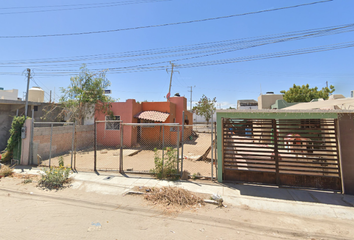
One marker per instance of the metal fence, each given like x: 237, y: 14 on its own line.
x: 143, y: 143
x: 126, y: 147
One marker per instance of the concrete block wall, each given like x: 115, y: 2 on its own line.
x: 61, y: 139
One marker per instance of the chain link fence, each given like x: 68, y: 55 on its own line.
x: 107, y: 145
x: 199, y: 151
x: 127, y: 147
x: 143, y: 143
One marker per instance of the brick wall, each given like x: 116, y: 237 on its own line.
x: 61, y: 139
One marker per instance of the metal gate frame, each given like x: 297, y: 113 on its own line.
x: 272, y: 162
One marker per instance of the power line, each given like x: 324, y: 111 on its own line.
x: 232, y: 60
x: 270, y: 55
x: 76, y: 6
x: 193, y: 51
x: 166, y: 24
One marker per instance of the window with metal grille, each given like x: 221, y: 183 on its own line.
x: 112, y: 125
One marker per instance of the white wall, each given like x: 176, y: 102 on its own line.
x: 9, y: 94
x: 200, y: 119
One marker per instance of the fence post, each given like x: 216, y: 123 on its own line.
x: 121, y: 148
x: 50, y: 146
x: 72, y: 145
x: 178, y: 148
x: 31, y: 142
x: 216, y: 144
x: 276, y: 156
x: 163, y: 146
x: 94, y: 146
x: 182, y: 143
x: 212, y: 148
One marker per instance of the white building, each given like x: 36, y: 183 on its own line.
x: 247, y: 104
x: 8, y: 94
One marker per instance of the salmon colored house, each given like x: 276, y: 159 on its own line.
x: 108, y: 133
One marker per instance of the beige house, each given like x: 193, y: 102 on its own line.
x: 267, y: 100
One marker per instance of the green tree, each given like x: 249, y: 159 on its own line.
x: 84, y: 96
x: 305, y: 93
x: 205, y: 107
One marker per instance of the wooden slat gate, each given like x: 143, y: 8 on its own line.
x: 292, y: 152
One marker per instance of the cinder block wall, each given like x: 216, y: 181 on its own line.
x: 61, y: 139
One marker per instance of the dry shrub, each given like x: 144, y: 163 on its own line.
x: 5, y: 171
x: 173, y: 196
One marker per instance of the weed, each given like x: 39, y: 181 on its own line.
x: 5, y: 171
x: 166, y: 168
x: 27, y: 181
x: 61, y: 161
x: 54, y: 178
x: 196, y: 176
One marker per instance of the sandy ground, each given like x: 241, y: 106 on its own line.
x: 28, y: 212
x: 143, y: 161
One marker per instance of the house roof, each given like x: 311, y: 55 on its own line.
x: 331, y: 104
x: 153, y: 116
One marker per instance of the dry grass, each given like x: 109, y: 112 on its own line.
x: 5, y: 171
x: 173, y: 196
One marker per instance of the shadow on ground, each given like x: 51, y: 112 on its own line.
x: 293, y: 194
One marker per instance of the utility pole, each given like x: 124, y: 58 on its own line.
x: 191, y: 97
x: 28, y: 81
x: 169, y: 89
x: 172, y: 71
x: 50, y: 96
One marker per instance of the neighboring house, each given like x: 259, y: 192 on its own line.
x: 108, y: 134
x: 330, y: 104
x: 265, y: 101
x: 10, y: 106
x: 247, y: 104
x: 281, y: 103
x: 8, y: 94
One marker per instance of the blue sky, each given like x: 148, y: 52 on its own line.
x: 227, y: 82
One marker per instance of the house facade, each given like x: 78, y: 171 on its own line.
x: 108, y: 133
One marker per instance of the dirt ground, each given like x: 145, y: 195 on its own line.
x: 28, y: 212
x: 143, y: 161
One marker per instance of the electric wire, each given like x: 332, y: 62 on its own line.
x: 226, y: 61
x: 165, y: 24
x: 76, y: 6
x: 200, y: 50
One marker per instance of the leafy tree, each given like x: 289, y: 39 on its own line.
x: 305, y: 93
x: 205, y: 107
x: 84, y: 96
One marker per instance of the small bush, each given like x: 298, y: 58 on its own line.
x: 166, y: 168
x: 15, y: 137
x: 5, y: 171
x: 54, y: 178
